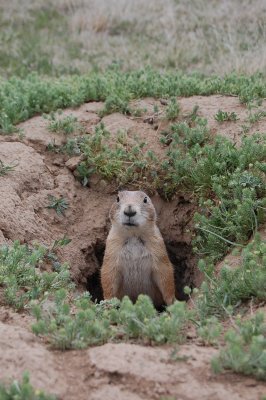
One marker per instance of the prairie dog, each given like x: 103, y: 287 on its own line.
x: 136, y: 260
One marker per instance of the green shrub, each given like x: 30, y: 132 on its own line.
x: 22, y: 391
x: 227, y: 181
x: 235, y: 178
x: 22, y: 98
x: 117, y: 160
x: 257, y: 116
x: 5, y: 168
x: 221, y: 294
x: 58, y: 204
x: 65, y: 125
x: 172, y: 109
x: 92, y: 323
x: 245, y: 350
x: 21, y: 278
x: 222, y: 116
x: 114, y: 103
x: 210, y: 330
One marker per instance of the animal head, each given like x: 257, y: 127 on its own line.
x: 132, y: 211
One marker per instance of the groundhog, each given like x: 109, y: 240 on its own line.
x: 135, y: 260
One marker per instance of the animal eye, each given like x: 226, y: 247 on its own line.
x: 117, y: 199
x: 145, y: 200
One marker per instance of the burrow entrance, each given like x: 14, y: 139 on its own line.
x: 174, y: 221
x: 180, y: 255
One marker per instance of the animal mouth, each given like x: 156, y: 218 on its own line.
x: 129, y: 224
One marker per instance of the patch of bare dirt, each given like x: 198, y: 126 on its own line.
x: 113, y: 371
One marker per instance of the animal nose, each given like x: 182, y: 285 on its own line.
x: 129, y: 212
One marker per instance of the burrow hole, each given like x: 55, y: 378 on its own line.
x: 175, y: 220
x: 180, y: 255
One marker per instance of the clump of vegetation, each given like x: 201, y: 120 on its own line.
x: 245, y: 350
x: 115, y: 103
x: 117, y: 160
x: 5, y: 168
x: 58, y: 204
x: 23, y: 98
x: 172, y: 109
x: 23, y: 391
x: 256, y: 116
x: 222, y: 294
x: 190, y: 133
x: 236, y: 197
x: 20, y: 275
x: 65, y: 125
x: 228, y: 182
x: 223, y: 116
x: 92, y: 323
x: 210, y: 330
x: 72, y: 146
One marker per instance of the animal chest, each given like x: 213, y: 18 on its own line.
x: 135, y: 267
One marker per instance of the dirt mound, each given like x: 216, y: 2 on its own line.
x: 26, y: 354
x: 23, y: 206
x: 154, y: 373
x: 118, y: 371
x: 37, y: 174
x: 114, y: 371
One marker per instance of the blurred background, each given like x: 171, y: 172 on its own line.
x: 76, y: 36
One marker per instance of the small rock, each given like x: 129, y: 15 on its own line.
x: 73, y: 162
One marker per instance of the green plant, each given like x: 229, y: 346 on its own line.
x: 222, y: 116
x: 228, y: 181
x: 4, y: 168
x: 210, y: 330
x: 72, y: 146
x: 65, y: 125
x: 193, y: 115
x: 239, y: 190
x: 245, y: 350
x: 222, y: 294
x: 20, y: 275
x: 92, y: 323
x: 172, y: 109
x: 58, y: 204
x: 23, y: 98
x: 115, y: 103
x: 23, y: 391
x: 187, y: 135
x: 257, y: 116
x: 117, y: 161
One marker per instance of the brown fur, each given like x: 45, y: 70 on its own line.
x: 136, y: 260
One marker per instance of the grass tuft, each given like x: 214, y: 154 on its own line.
x: 222, y: 294
x: 245, y: 350
x: 21, y: 277
x: 23, y: 391
x: 22, y: 98
x: 92, y: 324
x: 223, y: 116
x: 65, y: 125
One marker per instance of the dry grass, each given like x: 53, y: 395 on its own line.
x: 208, y: 36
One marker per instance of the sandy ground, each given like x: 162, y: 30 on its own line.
x: 113, y: 371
